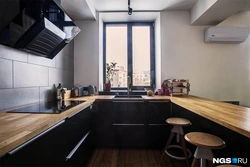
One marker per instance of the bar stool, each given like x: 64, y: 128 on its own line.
x: 205, y: 143
x: 177, y: 130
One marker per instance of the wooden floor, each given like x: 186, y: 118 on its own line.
x: 131, y: 157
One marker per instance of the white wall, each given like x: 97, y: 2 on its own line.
x: 216, y: 71
x: 86, y: 58
x: 158, y: 51
x: 199, y: 8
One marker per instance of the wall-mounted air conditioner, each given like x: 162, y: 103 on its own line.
x: 226, y: 34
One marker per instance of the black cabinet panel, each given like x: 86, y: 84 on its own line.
x: 130, y: 135
x: 131, y: 123
x: 131, y: 112
x: 157, y: 135
x: 157, y: 129
x: 158, y: 112
x: 52, y: 148
x: 76, y: 127
x: 102, y: 124
x: 82, y: 154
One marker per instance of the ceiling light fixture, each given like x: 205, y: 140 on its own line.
x: 130, y: 10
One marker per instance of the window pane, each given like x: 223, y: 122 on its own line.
x: 116, y: 50
x: 141, y: 55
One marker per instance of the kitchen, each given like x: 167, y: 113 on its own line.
x: 216, y: 71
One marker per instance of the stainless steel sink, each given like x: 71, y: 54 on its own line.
x: 128, y: 96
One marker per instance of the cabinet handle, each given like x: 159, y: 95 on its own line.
x: 78, y: 111
x: 77, y: 146
x: 166, y: 101
x: 128, y: 101
x: 128, y: 124
x: 34, y: 138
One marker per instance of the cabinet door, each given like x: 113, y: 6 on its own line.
x: 102, y: 124
x: 42, y: 150
x: 81, y: 152
x: 77, y: 126
x: 52, y: 148
x: 129, y: 123
x: 157, y: 129
x: 128, y: 112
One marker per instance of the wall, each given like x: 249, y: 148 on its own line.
x: 200, y: 8
x: 86, y: 51
x: 216, y: 71
x: 25, y: 78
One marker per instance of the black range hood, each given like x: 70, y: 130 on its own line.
x: 40, y: 27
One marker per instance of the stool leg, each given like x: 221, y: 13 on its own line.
x: 196, y: 162
x: 211, y: 164
x: 183, y: 144
x: 166, y: 147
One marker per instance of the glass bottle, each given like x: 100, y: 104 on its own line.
x: 59, y: 91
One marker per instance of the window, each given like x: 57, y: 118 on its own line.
x: 131, y: 46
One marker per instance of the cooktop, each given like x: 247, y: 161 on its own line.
x: 52, y: 107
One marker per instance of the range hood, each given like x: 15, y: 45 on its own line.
x: 41, y: 27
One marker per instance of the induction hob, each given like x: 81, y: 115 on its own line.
x: 52, y: 107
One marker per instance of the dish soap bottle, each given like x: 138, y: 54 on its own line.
x: 59, y: 91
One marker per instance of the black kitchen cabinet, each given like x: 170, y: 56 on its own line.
x: 66, y: 144
x: 128, y: 120
x: 131, y: 123
x: 102, y: 124
x: 157, y: 130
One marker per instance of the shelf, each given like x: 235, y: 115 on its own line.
x: 179, y: 86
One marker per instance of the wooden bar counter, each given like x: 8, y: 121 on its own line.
x: 17, y: 128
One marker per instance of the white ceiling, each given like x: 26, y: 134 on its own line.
x: 142, y: 5
x: 86, y: 9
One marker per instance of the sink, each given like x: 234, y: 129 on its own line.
x: 130, y: 96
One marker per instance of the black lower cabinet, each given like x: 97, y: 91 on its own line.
x: 131, y: 123
x: 157, y: 129
x: 130, y: 135
x: 67, y: 144
x: 128, y: 120
x: 102, y: 124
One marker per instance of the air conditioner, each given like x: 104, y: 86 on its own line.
x: 226, y: 34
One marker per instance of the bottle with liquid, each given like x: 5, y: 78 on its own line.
x: 59, y: 91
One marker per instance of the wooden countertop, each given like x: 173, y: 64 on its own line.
x: 17, y: 128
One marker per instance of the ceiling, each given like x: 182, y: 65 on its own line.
x: 217, y: 12
x: 142, y: 5
x: 85, y: 9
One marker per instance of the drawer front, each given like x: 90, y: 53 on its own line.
x: 129, y: 135
x: 128, y: 112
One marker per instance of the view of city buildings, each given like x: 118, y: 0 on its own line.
x: 140, y: 78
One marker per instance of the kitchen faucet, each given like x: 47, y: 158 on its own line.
x: 129, y: 82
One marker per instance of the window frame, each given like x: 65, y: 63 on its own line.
x: 130, y: 52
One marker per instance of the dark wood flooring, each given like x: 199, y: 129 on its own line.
x: 131, y: 157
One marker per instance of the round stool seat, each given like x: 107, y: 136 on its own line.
x: 228, y: 166
x: 178, y: 121
x: 205, y: 140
